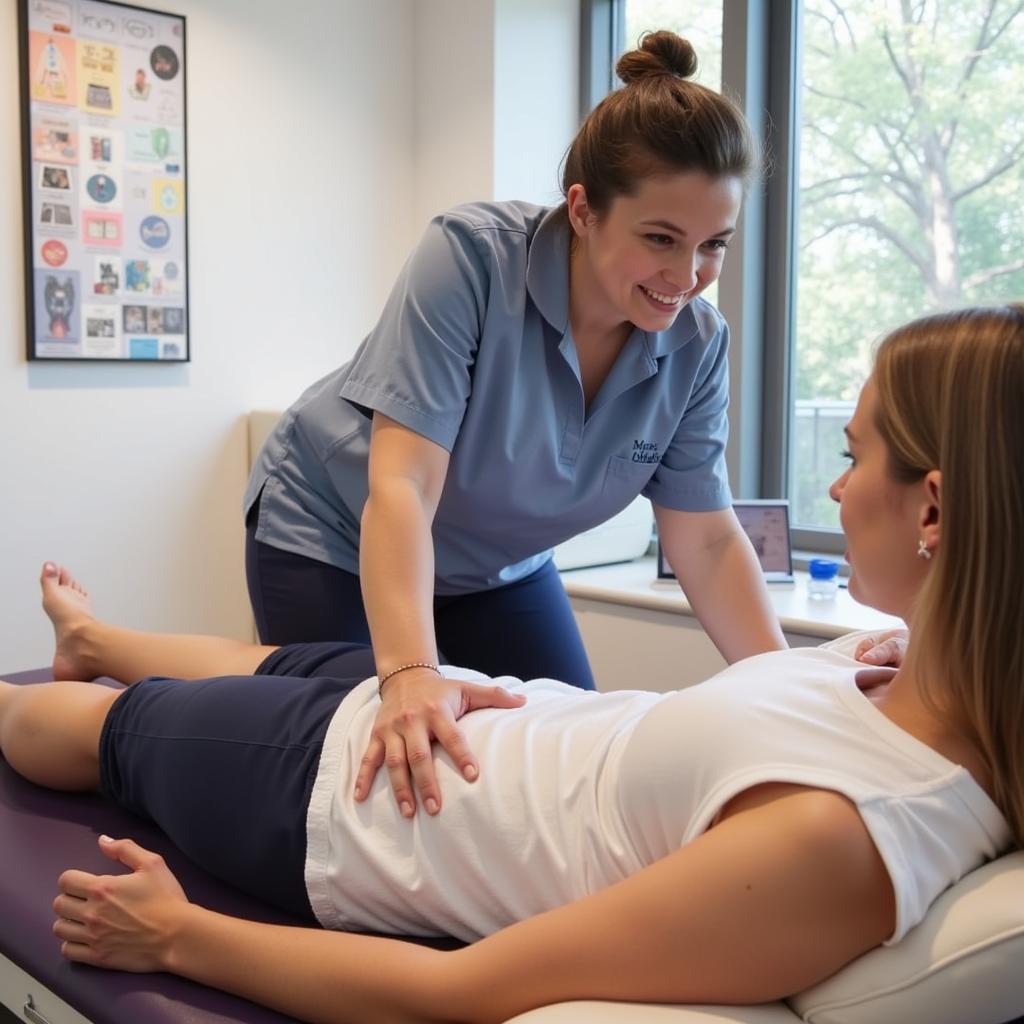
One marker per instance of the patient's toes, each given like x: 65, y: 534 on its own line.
x: 67, y: 605
x: 65, y: 600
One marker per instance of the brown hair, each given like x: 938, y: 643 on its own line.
x: 658, y: 123
x: 951, y: 397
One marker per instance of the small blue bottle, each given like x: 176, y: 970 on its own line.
x: 824, y: 582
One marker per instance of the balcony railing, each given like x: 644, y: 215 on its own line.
x: 818, y: 439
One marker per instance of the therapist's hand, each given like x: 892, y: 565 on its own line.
x: 884, y: 650
x: 888, y: 648
x: 419, y: 707
x: 124, y: 922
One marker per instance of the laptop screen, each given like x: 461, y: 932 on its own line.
x: 766, y: 523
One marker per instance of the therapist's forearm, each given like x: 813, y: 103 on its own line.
x: 313, y: 975
x: 725, y: 587
x: 396, y: 571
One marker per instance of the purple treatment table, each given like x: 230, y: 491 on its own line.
x: 41, y: 834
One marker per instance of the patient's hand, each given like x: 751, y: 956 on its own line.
x: 418, y: 707
x: 124, y: 922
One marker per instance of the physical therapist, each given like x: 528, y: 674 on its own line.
x: 532, y: 372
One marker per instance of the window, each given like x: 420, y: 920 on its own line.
x: 700, y: 21
x: 897, y: 139
x: 911, y: 173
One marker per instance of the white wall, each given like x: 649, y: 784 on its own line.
x: 300, y: 190
x: 536, y: 96
x: 321, y: 138
x: 453, y: 138
x: 497, y: 100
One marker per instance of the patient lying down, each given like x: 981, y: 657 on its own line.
x: 734, y: 842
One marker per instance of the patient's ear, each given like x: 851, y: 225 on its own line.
x: 931, y: 510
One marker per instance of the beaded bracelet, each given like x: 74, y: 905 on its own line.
x: 401, y: 668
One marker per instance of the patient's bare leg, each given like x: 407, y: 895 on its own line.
x: 50, y: 732
x: 87, y: 648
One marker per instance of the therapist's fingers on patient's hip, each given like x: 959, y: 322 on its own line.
x: 478, y: 696
x: 418, y: 748
x: 396, y: 761
x: 453, y: 739
x: 372, y: 759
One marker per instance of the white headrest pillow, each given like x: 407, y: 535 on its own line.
x: 964, y: 964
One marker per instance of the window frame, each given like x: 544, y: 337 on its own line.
x: 761, y: 46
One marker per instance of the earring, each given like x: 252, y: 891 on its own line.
x: 922, y: 551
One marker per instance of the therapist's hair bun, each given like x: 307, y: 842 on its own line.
x: 659, y: 53
x: 661, y: 122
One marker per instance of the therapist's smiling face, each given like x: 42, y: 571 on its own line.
x: 650, y: 253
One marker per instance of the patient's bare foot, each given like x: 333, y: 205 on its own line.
x: 66, y: 602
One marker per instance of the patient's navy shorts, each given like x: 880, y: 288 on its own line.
x: 225, y: 766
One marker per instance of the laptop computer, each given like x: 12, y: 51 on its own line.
x: 766, y: 523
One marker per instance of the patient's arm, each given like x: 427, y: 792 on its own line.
x: 142, y: 922
x: 775, y: 898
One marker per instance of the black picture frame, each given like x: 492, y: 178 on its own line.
x: 104, y: 173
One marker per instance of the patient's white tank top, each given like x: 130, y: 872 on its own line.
x: 579, y: 790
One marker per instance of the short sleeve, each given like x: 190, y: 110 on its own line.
x: 692, y: 475
x: 416, y: 365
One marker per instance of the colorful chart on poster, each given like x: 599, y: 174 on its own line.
x: 103, y: 102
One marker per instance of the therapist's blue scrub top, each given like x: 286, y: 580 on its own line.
x: 474, y: 351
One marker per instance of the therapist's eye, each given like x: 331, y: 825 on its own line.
x: 716, y: 244
x: 660, y: 240
x: 845, y: 453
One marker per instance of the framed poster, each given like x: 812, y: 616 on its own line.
x: 103, y: 154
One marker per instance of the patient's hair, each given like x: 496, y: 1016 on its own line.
x: 951, y: 397
x: 659, y: 123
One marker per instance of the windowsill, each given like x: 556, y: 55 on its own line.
x: 634, y: 584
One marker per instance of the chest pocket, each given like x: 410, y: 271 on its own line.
x: 624, y: 479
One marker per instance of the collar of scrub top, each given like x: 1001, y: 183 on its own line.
x: 547, y: 281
